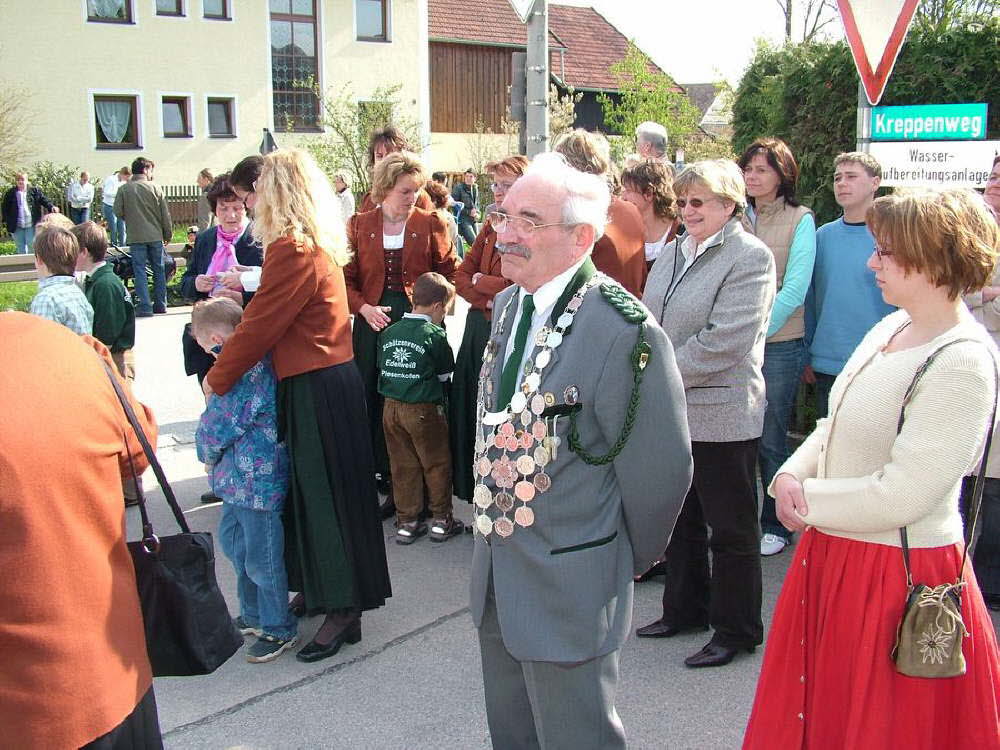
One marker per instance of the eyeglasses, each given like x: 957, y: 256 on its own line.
x: 253, y: 189
x: 504, y: 186
x: 693, y: 202
x: 880, y: 253
x: 501, y: 222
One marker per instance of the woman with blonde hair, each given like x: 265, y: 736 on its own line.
x: 393, y: 244
x: 873, y: 470
x: 335, y: 551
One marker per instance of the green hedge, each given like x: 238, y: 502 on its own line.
x: 806, y: 94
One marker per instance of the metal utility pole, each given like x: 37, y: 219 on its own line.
x: 537, y: 74
x: 864, y: 122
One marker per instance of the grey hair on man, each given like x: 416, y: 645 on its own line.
x: 587, y: 195
x: 654, y: 136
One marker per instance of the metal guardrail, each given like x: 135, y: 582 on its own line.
x: 22, y: 267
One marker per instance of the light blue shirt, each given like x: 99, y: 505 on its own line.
x: 59, y: 299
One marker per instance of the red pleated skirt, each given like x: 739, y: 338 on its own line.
x: 828, y: 680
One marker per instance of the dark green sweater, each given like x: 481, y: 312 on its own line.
x: 114, y: 313
x: 412, y: 354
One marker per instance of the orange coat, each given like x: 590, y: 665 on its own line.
x: 621, y: 252
x: 426, y: 247
x: 72, y: 648
x: 423, y: 201
x: 299, y: 314
x: 481, y: 258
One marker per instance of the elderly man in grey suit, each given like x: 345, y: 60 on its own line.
x: 712, y: 291
x: 582, y: 463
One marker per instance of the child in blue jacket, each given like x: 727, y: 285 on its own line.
x: 237, y: 439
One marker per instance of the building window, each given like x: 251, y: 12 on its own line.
x: 109, y: 11
x: 176, y: 112
x: 221, y: 123
x: 169, y: 7
x: 372, y: 20
x: 218, y: 9
x: 294, y: 65
x: 116, y: 119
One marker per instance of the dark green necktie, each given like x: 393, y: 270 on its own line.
x: 508, y: 379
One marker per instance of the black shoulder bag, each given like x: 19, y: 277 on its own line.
x: 929, y: 637
x: 189, y: 630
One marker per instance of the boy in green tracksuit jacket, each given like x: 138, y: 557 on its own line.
x: 114, y: 313
x: 415, y: 360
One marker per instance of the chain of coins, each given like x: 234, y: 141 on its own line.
x: 521, y: 436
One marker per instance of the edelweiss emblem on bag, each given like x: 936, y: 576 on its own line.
x: 400, y: 355
x: 935, y: 645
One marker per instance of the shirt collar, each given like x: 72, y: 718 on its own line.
x: 55, y: 281
x: 548, y: 293
x: 418, y: 316
x: 692, y: 250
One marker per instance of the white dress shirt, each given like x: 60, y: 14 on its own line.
x: 110, y: 189
x: 545, y: 299
x: 691, y: 250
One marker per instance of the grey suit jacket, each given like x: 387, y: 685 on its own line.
x: 716, y: 316
x: 563, y: 586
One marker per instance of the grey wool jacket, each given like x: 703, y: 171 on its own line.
x: 716, y: 316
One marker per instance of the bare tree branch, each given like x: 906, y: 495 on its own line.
x: 16, y: 116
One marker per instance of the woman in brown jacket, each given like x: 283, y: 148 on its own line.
x: 75, y: 671
x: 392, y: 245
x: 334, y: 547
x: 478, y: 280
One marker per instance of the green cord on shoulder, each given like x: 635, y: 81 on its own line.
x: 633, y: 312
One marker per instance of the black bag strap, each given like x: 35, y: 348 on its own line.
x: 977, y: 491
x: 161, y: 477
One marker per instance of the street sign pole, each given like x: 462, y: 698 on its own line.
x: 538, y: 80
x: 864, y: 125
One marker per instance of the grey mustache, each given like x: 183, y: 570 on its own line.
x: 520, y: 250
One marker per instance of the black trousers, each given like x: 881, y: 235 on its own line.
x: 140, y: 730
x: 727, y: 596
x: 986, y: 555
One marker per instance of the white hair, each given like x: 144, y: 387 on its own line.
x: 654, y: 134
x: 587, y: 195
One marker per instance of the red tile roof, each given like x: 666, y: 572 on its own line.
x: 590, y: 43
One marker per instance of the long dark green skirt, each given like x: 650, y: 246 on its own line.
x: 334, y: 543
x: 462, y: 412
x: 365, y: 342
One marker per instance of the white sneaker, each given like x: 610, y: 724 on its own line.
x: 772, y: 544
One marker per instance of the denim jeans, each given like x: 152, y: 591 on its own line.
x: 24, y: 237
x: 783, y: 365
x: 79, y: 215
x: 986, y: 555
x: 116, y: 226
x: 254, y: 541
x: 824, y: 383
x: 149, y: 253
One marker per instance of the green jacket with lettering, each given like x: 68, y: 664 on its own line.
x: 414, y: 361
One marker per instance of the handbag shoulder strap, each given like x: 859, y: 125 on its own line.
x: 977, y: 492
x: 161, y: 477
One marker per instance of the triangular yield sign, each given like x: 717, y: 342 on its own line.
x: 875, y: 30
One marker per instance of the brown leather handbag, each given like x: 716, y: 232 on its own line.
x: 930, y: 633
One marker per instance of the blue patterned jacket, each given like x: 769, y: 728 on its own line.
x: 238, y: 433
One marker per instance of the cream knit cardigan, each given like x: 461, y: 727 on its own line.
x: 864, y: 482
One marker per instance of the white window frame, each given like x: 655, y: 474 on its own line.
x: 388, y: 24
x: 133, y: 22
x: 189, y: 97
x: 140, y: 134
x: 236, y: 116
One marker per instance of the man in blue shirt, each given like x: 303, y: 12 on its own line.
x: 843, y: 302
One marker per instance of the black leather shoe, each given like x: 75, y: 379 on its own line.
x: 659, y: 569
x: 314, y: 651
x: 714, y: 655
x: 660, y: 629
x: 387, y: 507
x: 210, y: 497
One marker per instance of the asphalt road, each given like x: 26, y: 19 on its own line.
x: 414, y: 681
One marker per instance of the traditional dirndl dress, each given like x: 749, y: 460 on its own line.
x: 828, y: 680
x: 334, y: 542
x: 462, y: 404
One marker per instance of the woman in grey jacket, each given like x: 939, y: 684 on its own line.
x: 712, y: 291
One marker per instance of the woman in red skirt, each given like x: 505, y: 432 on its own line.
x: 828, y: 680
